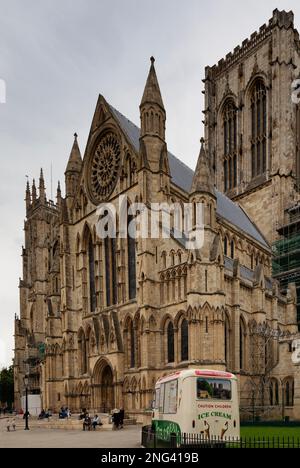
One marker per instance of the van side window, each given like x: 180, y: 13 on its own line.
x: 161, y: 398
x: 213, y: 389
x: 171, y: 396
x: 157, y: 396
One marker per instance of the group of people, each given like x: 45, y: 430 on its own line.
x: 45, y: 414
x: 117, y: 419
x: 91, y: 423
x: 11, y: 423
x: 6, y: 410
x: 64, y: 413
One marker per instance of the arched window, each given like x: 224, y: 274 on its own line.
x: 226, y: 247
x: 173, y: 281
x: 232, y: 250
x: 271, y: 394
x: 227, y: 343
x: 179, y: 257
x: 129, y: 172
x: 242, y: 345
x: 164, y: 260
x: 110, y: 246
x: 259, y: 128
x: 184, y: 341
x: 170, y: 340
x: 230, y: 145
x: 274, y: 393
x: 289, y: 393
x: 82, y: 353
x: 132, y: 346
x: 131, y: 252
x: 91, y: 260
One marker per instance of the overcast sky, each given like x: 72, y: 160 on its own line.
x: 56, y: 56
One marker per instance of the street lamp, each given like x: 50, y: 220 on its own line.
x: 26, y: 381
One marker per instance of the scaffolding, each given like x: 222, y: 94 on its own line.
x: 286, y: 255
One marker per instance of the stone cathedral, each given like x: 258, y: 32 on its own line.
x: 102, y: 319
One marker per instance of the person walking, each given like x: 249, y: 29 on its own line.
x: 121, y: 417
x: 8, y: 425
x: 13, y: 423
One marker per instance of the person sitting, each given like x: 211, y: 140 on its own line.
x: 63, y: 414
x: 87, y: 423
x: 96, y: 422
x: 82, y: 414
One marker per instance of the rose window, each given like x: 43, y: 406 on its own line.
x: 105, y: 167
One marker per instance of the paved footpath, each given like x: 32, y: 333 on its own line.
x: 43, y: 438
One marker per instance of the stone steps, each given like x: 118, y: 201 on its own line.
x: 67, y: 425
x: 63, y: 425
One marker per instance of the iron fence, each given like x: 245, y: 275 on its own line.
x: 150, y: 439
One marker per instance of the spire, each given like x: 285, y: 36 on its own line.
x: 58, y: 195
x: 202, y: 181
x: 28, y: 196
x: 34, y: 196
x: 152, y: 110
x: 42, y: 187
x: 75, y: 159
x: 152, y: 94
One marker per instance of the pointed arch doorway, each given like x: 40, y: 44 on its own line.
x: 104, y: 387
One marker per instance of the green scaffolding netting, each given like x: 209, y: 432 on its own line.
x: 286, y: 262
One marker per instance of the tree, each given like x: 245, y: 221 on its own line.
x: 7, y: 386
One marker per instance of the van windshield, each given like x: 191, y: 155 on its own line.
x: 213, y: 389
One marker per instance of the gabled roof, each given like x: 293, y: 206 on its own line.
x: 182, y: 176
x: 235, y: 214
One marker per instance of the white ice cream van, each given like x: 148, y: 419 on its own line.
x: 202, y: 402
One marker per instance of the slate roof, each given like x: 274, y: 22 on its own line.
x: 235, y: 214
x: 182, y: 176
x: 246, y: 273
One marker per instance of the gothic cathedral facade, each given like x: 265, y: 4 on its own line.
x: 101, y: 320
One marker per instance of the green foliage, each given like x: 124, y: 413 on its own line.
x: 7, y: 386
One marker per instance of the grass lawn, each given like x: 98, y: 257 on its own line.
x: 265, y: 432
